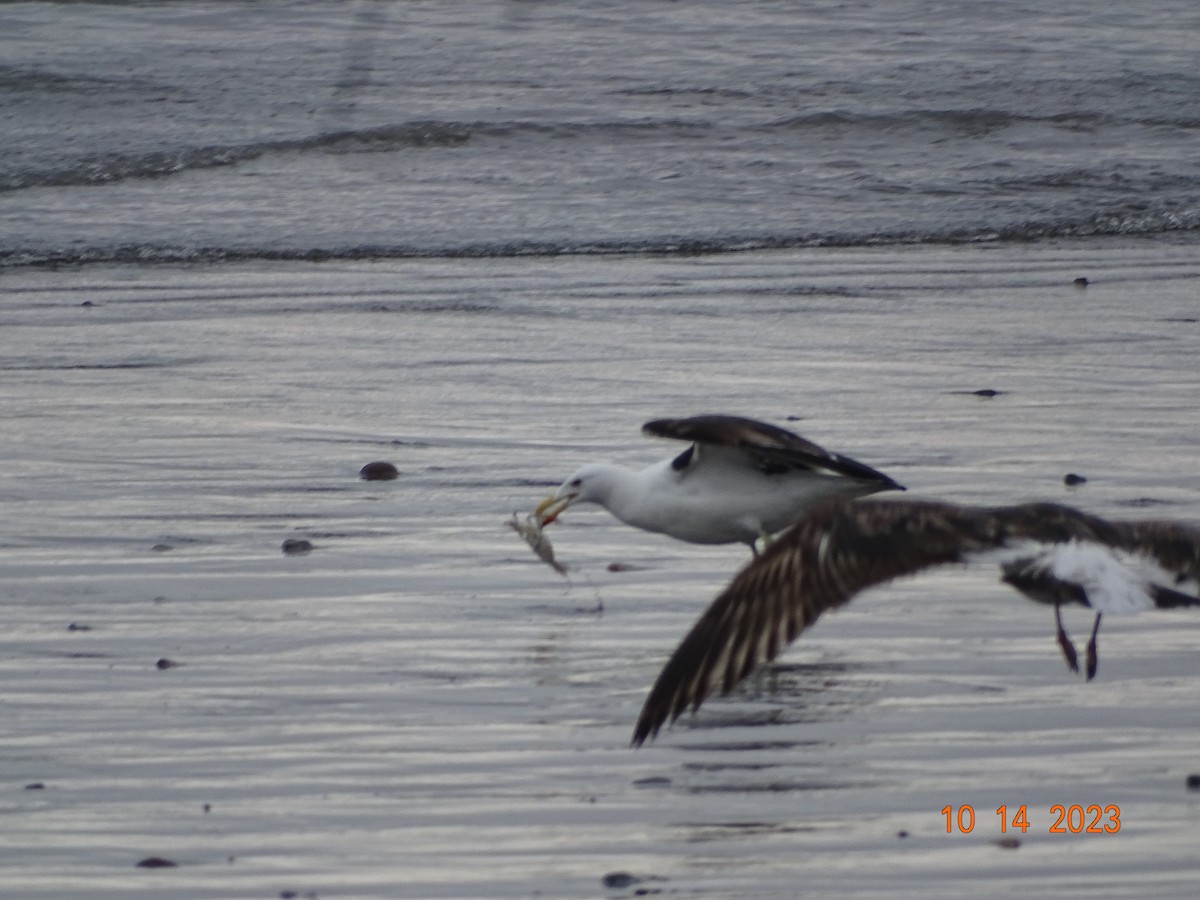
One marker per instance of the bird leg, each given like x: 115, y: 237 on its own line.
x: 1092, y: 659
x: 1064, y: 642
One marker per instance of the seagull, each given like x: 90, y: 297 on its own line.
x: 1052, y: 554
x: 739, y: 480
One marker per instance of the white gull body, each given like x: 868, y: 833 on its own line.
x: 739, y: 480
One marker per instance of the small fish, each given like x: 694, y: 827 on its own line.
x: 530, y: 528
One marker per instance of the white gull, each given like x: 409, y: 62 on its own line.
x: 739, y: 480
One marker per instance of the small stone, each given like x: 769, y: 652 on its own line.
x: 1193, y: 781
x: 987, y: 393
x: 1071, y: 479
x: 1008, y: 843
x: 901, y: 833
x: 75, y: 626
x: 87, y: 303
x: 156, y: 862
x: 165, y: 663
x: 296, y: 547
x: 1080, y: 282
x: 36, y: 786
x: 619, y: 880
x: 162, y: 548
x: 378, y: 471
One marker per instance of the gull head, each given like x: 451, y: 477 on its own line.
x: 590, y: 484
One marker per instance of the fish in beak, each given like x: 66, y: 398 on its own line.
x: 550, y: 508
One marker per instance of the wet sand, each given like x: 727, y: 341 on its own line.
x: 418, y: 707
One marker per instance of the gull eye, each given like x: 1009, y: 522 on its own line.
x: 576, y: 482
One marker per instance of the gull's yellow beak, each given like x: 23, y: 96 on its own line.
x: 550, y: 508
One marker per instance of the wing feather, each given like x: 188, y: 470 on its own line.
x: 842, y: 548
x: 773, y: 449
x: 819, y: 564
x: 1173, y: 545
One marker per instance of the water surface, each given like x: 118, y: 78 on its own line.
x: 419, y: 708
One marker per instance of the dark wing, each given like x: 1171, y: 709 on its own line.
x: 820, y: 563
x: 843, y: 548
x: 1174, y: 546
x: 730, y: 431
x: 774, y: 449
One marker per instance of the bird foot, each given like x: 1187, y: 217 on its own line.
x: 1092, y: 654
x: 1068, y: 648
x: 1093, y: 659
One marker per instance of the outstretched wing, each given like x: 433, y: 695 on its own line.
x: 773, y: 449
x: 843, y: 548
x: 1172, y: 545
x: 820, y: 563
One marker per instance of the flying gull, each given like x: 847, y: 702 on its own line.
x: 1053, y: 554
x: 739, y: 480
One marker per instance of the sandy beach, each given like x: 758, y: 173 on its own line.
x: 418, y: 707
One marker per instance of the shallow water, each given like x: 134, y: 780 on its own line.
x: 195, y: 129
x: 420, y: 708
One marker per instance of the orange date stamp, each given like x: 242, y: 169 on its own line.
x: 1073, y: 819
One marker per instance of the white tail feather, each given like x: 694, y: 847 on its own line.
x: 1113, y: 585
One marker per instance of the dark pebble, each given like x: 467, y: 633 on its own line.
x: 1080, y: 282
x: 378, y: 471
x: 207, y: 807
x: 1071, y: 479
x: 165, y: 663
x: 987, y: 392
x: 653, y: 781
x: 296, y: 547
x: 1008, y: 843
x: 75, y: 626
x: 86, y: 303
x: 902, y: 834
x: 36, y: 786
x: 162, y: 548
x: 1193, y: 782
x: 619, y: 880
x: 156, y: 862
